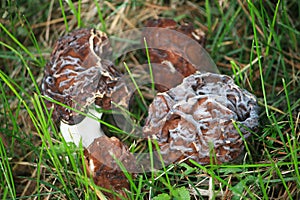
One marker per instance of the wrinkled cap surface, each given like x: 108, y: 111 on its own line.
x: 195, y: 119
x: 177, y: 46
x: 101, y: 163
x: 77, y: 74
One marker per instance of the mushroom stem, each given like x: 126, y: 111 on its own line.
x: 74, y: 133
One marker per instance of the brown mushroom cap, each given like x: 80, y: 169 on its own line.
x: 101, y: 164
x: 195, y: 119
x: 181, y: 47
x: 187, y: 29
x: 77, y: 74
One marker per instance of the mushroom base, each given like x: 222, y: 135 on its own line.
x: 87, y: 130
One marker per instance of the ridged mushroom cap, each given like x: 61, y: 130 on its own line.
x: 179, y: 45
x: 78, y: 74
x: 196, y: 119
x: 101, y: 163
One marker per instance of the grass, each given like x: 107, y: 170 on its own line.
x: 256, y: 42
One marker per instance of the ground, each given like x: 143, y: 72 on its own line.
x: 255, y: 42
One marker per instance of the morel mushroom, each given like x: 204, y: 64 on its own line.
x: 178, y: 47
x: 77, y: 76
x: 196, y: 119
x: 101, y: 162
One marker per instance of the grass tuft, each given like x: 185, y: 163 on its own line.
x: 255, y: 42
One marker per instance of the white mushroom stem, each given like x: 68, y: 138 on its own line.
x: 87, y: 130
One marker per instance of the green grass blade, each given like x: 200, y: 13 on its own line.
x: 6, y: 171
x: 28, y: 52
x: 150, y: 67
x: 135, y: 84
x: 258, y: 50
x: 64, y: 15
